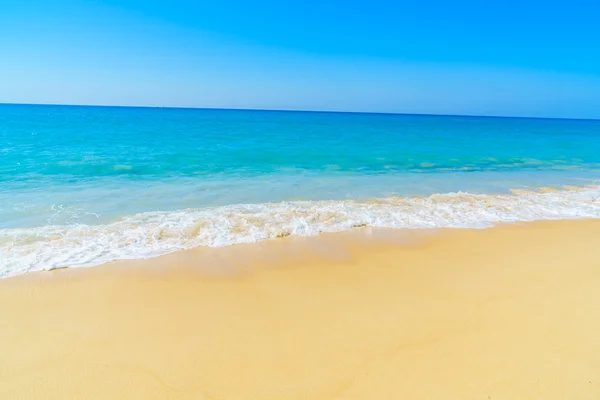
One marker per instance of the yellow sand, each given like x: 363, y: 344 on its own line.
x: 506, y: 313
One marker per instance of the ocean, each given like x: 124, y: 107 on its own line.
x: 80, y: 186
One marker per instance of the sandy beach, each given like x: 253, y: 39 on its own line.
x: 510, y: 312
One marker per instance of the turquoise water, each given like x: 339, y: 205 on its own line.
x: 84, y: 185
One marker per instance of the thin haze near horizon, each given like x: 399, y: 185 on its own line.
x: 516, y: 58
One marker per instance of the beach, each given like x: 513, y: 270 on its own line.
x: 509, y: 312
x: 299, y: 201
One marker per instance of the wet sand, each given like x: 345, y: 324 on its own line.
x: 511, y: 312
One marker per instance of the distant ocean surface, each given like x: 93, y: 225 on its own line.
x: 85, y: 185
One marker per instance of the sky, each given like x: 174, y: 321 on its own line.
x: 509, y: 58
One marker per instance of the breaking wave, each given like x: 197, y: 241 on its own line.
x: 154, y: 233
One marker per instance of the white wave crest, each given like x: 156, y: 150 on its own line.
x: 155, y: 233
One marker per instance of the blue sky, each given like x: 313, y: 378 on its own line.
x: 523, y: 58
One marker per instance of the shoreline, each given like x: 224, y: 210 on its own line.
x: 503, y: 312
x: 152, y: 234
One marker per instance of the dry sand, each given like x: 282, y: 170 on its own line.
x: 511, y: 312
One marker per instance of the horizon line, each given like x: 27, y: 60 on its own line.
x: 300, y: 110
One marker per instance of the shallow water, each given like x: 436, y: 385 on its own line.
x: 85, y: 185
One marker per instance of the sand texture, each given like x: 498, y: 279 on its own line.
x: 511, y: 312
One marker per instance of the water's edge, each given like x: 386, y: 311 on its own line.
x: 152, y: 234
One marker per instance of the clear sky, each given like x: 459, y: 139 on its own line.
x: 523, y: 58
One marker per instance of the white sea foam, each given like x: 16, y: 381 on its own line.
x: 155, y: 233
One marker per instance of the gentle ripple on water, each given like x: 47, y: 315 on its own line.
x: 84, y: 185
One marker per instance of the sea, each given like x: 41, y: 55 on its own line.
x: 82, y: 185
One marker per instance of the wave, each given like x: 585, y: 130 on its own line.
x: 155, y: 233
